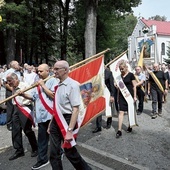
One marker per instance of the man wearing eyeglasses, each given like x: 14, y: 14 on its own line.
x: 67, y: 102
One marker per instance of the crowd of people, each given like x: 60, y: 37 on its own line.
x: 28, y: 108
x: 142, y: 87
x: 31, y: 104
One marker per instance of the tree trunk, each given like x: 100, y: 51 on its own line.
x: 90, y: 30
x: 64, y: 7
x: 10, y: 45
x: 2, y: 52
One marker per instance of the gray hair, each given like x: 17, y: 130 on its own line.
x: 12, y: 76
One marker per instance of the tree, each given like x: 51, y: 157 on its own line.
x: 120, y: 8
x: 30, y: 26
x: 11, y: 12
x: 2, y: 3
x: 158, y: 18
x: 64, y: 29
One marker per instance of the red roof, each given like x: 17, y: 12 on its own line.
x: 162, y: 27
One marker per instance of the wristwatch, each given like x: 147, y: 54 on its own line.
x: 70, y: 129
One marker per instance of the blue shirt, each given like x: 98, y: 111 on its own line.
x: 42, y: 115
x: 141, y: 77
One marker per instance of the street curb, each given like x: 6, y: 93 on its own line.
x: 4, y: 148
x: 105, y: 154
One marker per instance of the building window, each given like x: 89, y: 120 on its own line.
x: 163, y: 48
x: 139, y: 33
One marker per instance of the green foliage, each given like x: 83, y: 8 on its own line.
x: 158, y: 18
x: 38, y: 28
x: 113, y: 31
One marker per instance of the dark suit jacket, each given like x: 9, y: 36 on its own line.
x: 109, y: 81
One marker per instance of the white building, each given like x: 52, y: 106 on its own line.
x: 158, y: 32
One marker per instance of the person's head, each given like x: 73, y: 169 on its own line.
x: 4, y: 67
x: 138, y: 69
x: 25, y: 66
x: 15, y: 65
x: 61, y: 69
x: 163, y: 68
x: 29, y: 69
x: 35, y: 69
x: 156, y: 67
x: 123, y: 67
x: 12, y: 80
x: 43, y: 71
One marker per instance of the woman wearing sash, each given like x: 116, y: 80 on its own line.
x: 129, y: 81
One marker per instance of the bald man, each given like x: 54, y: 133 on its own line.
x: 154, y: 90
x: 68, y: 101
x: 43, y: 116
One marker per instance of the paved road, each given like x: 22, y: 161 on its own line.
x: 147, y: 147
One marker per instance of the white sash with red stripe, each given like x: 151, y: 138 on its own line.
x: 63, y: 124
x: 91, y: 79
x: 47, y: 103
x: 26, y: 111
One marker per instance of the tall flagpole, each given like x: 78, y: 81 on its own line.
x: 71, y: 67
x: 116, y: 58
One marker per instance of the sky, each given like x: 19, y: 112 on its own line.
x: 150, y: 8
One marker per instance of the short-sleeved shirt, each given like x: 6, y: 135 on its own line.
x: 21, y: 100
x: 160, y: 76
x: 42, y: 115
x: 128, y: 82
x: 123, y: 106
x: 68, y: 95
x: 141, y: 77
x: 11, y: 70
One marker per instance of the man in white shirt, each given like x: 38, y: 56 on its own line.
x: 30, y: 77
x: 14, y: 68
x: 21, y: 119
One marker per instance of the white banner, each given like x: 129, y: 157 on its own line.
x: 114, y: 67
x: 108, y: 111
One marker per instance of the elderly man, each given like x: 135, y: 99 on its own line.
x: 14, y: 68
x: 155, y: 91
x: 68, y: 101
x: 21, y: 119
